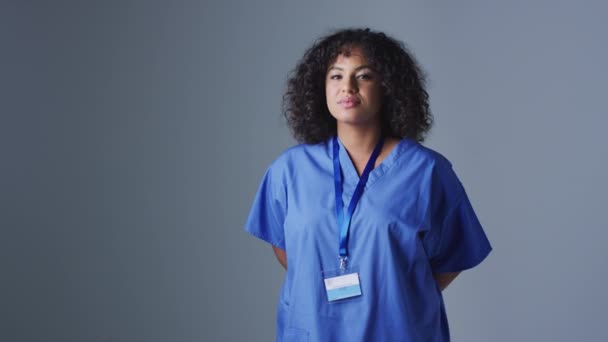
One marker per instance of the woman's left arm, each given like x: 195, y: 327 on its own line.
x: 444, y: 279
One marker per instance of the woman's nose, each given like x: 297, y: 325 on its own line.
x: 350, y: 85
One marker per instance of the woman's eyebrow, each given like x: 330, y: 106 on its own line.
x: 364, y: 66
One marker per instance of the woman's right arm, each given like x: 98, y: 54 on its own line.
x: 281, y: 256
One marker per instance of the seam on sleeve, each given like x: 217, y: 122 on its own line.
x: 473, y: 263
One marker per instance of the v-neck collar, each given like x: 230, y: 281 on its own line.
x: 349, y: 172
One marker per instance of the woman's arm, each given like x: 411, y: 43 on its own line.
x: 444, y: 279
x: 281, y: 256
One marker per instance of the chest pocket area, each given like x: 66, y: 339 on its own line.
x: 405, y: 245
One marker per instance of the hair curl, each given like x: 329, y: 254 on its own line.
x: 405, y: 103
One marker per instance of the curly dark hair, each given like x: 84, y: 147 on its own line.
x: 405, y: 103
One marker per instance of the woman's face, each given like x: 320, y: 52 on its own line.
x: 353, y: 90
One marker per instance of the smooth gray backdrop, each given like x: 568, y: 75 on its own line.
x: 133, y: 136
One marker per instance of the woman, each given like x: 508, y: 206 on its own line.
x: 370, y: 225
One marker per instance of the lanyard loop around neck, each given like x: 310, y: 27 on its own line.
x: 343, y: 219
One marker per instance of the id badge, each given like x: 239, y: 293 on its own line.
x: 341, y: 284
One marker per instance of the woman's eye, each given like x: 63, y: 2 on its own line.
x: 361, y: 77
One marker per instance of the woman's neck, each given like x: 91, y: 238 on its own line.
x: 359, y: 141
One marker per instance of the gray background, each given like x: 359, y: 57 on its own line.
x: 133, y: 136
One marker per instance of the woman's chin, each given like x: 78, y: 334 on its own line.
x: 358, y: 121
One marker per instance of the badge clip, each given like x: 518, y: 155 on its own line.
x: 343, y: 260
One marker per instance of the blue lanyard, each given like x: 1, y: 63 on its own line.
x: 342, y: 219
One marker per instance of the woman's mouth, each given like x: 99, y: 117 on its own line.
x: 349, y: 103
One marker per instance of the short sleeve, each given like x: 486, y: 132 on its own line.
x: 456, y: 240
x: 267, y: 213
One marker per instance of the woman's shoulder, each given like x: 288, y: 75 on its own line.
x: 427, y: 155
x: 300, y: 152
x: 295, y: 156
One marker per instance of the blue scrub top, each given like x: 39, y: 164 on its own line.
x: 413, y: 219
